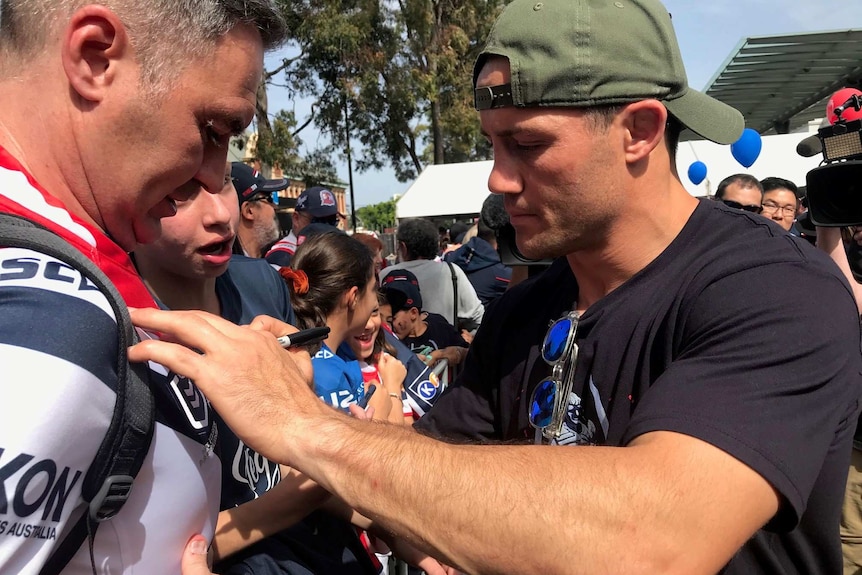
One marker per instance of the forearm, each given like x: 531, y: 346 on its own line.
x: 455, y: 354
x: 337, y: 507
x: 287, y: 503
x: 396, y: 415
x: 526, y: 509
x: 829, y: 241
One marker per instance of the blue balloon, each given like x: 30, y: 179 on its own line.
x: 747, y: 148
x: 697, y: 172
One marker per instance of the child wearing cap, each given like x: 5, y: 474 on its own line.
x: 427, y: 334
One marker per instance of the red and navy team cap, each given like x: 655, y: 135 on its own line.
x: 401, y: 290
x: 318, y: 201
x: 249, y: 183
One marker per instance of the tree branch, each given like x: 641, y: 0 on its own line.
x: 285, y: 62
x: 307, y: 122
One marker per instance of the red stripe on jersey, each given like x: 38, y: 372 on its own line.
x: 106, y: 254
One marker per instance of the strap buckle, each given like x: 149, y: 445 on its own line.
x: 110, y: 498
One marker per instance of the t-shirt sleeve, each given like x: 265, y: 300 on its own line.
x: 58, y: 352
x: 770, y: 369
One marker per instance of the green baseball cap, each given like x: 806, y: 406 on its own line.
x: 585, y: 53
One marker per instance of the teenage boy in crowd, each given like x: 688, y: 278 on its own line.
x: 707, y: 431
x: 134, y: 130
x: 427, y: 334
x: 262, y: 526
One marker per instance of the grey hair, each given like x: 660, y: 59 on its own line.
x: 162, y: 32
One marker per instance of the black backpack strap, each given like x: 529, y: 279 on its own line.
x: 456, y: 322
x: 108, y: 481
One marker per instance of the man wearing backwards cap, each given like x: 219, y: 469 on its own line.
x: 719, y: 426
x: 258, y: 224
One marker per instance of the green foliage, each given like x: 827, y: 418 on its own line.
x: 377, y: 217
x: 403, y: 72
x: 280, y: 145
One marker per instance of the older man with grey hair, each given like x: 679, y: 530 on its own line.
x: 113, y: 112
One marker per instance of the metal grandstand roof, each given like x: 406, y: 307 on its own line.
x: 780, y: 83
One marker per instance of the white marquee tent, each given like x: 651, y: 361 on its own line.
x: 451, y: 190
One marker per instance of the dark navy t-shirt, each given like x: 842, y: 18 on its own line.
x: 738, y: 334
x: 438, y: 334
x: 249, y: 288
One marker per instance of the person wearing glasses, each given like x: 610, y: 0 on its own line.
x: 674, y: 418
x: 258, y: 224
x: 780, y: 201
x: 740, y: 191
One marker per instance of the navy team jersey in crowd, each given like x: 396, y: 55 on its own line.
x: 58, y: 356
x: 737, y: 334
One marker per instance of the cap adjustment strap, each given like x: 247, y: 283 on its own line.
x: 488, y: 97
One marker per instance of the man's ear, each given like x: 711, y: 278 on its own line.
x: 246, y: 211
x: 94, y: 43
x: 644, y: 123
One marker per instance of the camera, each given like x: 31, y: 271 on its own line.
x: 835, y: 188
x: 495, y: 217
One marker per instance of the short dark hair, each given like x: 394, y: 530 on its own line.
x: 420, y: 238
x: 457, y: 231
x: 329, y: 220
x: 334, y: 262
x: 600, y: 117
x: 483, y: 232
x: 773, y: 183
x: 744, y: 180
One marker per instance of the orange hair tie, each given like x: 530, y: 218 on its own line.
x: 297, y: 278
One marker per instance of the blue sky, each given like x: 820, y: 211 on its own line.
x: 708, y: 32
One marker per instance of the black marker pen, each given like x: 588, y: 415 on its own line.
x: 365, y: 398
x: 304, y: 337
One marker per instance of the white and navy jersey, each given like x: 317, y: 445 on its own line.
x: 58, y: 364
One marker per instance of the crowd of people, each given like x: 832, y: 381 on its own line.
x: 676, y: 391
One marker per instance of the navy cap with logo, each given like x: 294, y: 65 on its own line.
x: 249, y: 183
x: 319, y: 202
x: 401, y: 290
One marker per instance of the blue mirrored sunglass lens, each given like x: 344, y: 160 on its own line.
x: 555, y: 341
x: 542, y: 404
